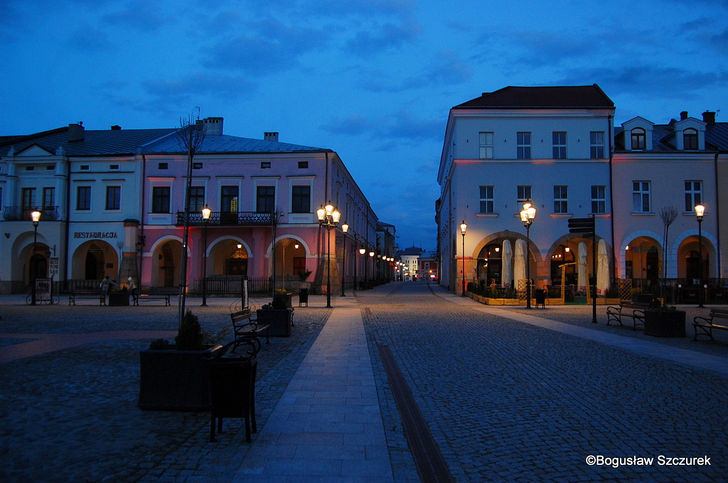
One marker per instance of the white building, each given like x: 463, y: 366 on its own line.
x: 550, y: 145
x: 410, y: 257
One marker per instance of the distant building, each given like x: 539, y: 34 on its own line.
x: 429, y: 266
x: 410, y: 257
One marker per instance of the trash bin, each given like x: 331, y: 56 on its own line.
x: 303, y: 297
x: 540, y: 295
x: 232, y: 391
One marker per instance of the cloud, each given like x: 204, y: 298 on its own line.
x: 389, y: 132
x: 445, y: 68
x: 137, y: 15
x: 87, y: 38
x: 186, y: 87
x: 385, y: 37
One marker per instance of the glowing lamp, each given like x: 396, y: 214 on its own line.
x: 362, y: 251
x: 206, y: 212
x: 320, y: 213
x: 329, y: 208
x: 371, y: 254
x: 699, y: 211
x: 35, y: 216
x: 463, y: 227
x: 345, y: 227
x: 336, y: 215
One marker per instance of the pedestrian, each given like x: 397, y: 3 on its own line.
x: 105, y: 287
x: 133, y: 289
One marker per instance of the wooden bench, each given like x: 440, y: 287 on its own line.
x: 706, y: 325
x: 633, y: 310
x: 247, y: 329
x: 86, y: 294
x: 164, y: 295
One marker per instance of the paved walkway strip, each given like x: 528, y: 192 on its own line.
x: 645, y: 348
x: 430, y: 464
x: 327, y: 424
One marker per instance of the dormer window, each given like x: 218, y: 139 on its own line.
x: 638, y: 138
x: 690, y: 139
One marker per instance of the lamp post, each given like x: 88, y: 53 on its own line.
x: 699, y: 212
x: 528, y: 214
x: 328, y: 217
x: 362, y: 251
x: 344, y: 229
x: 371, y: 256
x: 206, y: 212
x: 35, y: 216
x: 463, y: 228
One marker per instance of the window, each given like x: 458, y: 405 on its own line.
x: 561, y: 199
x: 486, y: 145
x: 29, y: 168
x: 486, y: 199
x: 113, y: 197
x: 83, y: 197
x: 301, y: 199
x: 693, y: 194
x: 84, y: 167
x: 265, y: 199
x: 163, y: 166
x: 641, y: 196
x: 302, y: 164
x: 50, y: 167
x: 27, y: 200
x: 598, y: 199
x: 523, y: 142
x: 264, y: 164
x: 114, y: 166
x: 523, y: 194
x: 229, y: 199
x: 596, y: 140
x: 638, y: 138
x: 196, y: 165
x: 690, y: 139
x: 197, y: 199
x: 49, y: 198
x: 160, y: 199
x: 558, y: 139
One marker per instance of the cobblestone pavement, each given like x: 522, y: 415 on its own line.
x: 506, y: 400
x: 71, y: 415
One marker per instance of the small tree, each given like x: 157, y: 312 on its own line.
x: 668, y: 215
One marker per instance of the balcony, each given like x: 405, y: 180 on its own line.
x: 18, y: 213
x: 225, y: 218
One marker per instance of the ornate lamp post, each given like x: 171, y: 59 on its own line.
x: 528, y: 214
x: 699, y: 212
x: 35, y: 216
x: 206, y: 212
x: 463, y: 228
x: 344, y: 229
x: 328, y: 217
x: 371, y: 256
x: 362, y: 251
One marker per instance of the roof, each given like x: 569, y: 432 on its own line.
x: 663, y: 138
x: 555, y: 97
x: 229, y: 144
x: 716, y: 136
x: 410, y: 251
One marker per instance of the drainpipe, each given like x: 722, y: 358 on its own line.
x: 717, y: 212
x: 68, y: 222
x: 141, y: 221
x: 611, y: 203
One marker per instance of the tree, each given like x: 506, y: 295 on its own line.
x: 668, y: 215
x: 191, y: 134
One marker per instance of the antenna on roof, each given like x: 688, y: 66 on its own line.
x: 198, y: 111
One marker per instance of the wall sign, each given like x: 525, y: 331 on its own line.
x: 95, y: 234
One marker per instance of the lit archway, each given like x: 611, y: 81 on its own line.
x: 643, y: 261
x: 290, y: 260
x: 228, y: 257
x: 688, y: 260
x: 94, y: 260
x: 500, y: 260
x: 167, y: 263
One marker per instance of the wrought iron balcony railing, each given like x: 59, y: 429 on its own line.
x: 18, y: 213
x: 225, y: 218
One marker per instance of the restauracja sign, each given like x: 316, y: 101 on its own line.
x: 95, y: 234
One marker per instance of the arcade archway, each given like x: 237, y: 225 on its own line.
x: 93, y: 260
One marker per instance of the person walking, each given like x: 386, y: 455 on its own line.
x: 133, y: 289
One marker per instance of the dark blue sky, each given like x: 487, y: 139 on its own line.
x: 371, y: 79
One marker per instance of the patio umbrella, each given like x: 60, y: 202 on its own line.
x: 602, y: 267
x: 519, y: 264
x: 581, y: 266
x: 507, y: 278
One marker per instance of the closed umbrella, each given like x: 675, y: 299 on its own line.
x: 602, y: 267
x: 507, y: 277
x: 519, y: 263
x: 581, y: 266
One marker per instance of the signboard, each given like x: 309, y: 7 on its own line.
x: 95, y: 234
x: 42, y: 288
x: 581, y: 225
x: 53, y: 267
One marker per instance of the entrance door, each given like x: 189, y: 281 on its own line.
x: 168, y: 265
x: 94, y: 266
x: 38, y: 267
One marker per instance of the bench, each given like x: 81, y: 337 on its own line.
x: 634, y: 310
x: 164, y: 295
x: 86, y: 294
x: 706, y: 325
x: 246, y: 328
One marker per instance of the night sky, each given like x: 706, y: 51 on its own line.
x: 373, y: 80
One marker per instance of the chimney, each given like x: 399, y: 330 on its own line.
x: 116, y: 127
x: 709, y: 117
x: 213, y: 126
x: 683, y: 115
x: 75, y: 132
x: 271, y: 136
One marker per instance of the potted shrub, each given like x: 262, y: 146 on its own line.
x: 664, y: 321
x: 174, y: 376
x: 278, y: 314
x: 119, y: 297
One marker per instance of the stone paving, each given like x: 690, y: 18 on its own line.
x: 71, y: 414
x: 506, y: 400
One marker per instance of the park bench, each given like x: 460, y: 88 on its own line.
x: 247, y: 329
x: 707, y: 324
x: 79, y: 294
x: 162, y: 294
x: 632, y: 309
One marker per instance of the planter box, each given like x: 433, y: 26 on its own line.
x: 175, y: 380
x: 279, y: 320
x: 665, y: 323
x: 119, y: 299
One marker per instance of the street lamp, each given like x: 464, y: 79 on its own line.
x: 206, y: 212
x: 699, y: 212
x: 344, y: 229
x: 35, y: 216
x: 328, y: 217
x: 362, y: 251
x: 463, y: 228
x: 528, y: 214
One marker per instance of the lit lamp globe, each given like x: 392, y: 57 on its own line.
x: 206, y: 212
x: 320, y: 213
x: 335, y: 216
x: 463, y: 227
x: 35, y: 216
x: 329, y: 208
x: 345, y: 227
x: 699, y: 211
x: 371, y: 254
x: 362, y: 251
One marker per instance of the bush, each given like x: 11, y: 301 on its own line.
x: 281, y: 299
x: 189, y: 336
